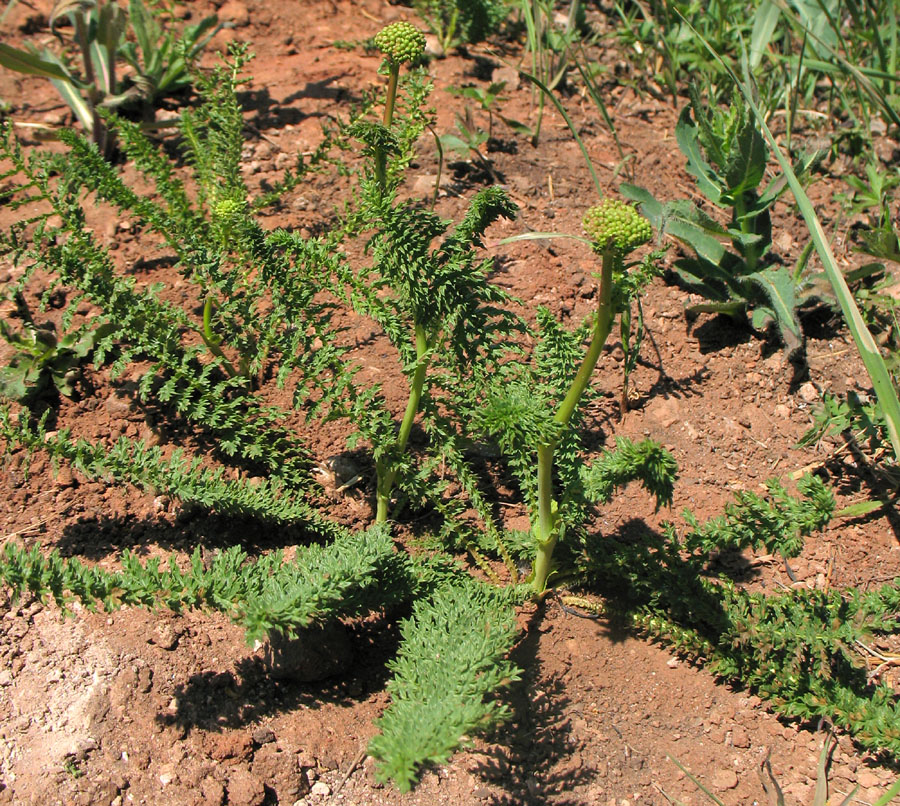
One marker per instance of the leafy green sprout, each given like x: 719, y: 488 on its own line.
x: 615, y: 229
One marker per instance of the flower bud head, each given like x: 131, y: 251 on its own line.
x: 616, y: 223
x: 227, y: 209
x: 400, y: 42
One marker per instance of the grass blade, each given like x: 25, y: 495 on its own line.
x: 888, y: 796
x: 568, y: 120
x: 697, y: 783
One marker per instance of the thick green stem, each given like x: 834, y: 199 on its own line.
x: 547, y: 528
x: 602, y: 327
x: 212, y: 341
x: 751, y: 253
x: 389, y: 102
x: 385, y: 473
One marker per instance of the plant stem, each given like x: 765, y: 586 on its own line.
x: 389, y: 101
x: 212, y: 341
x: 602, y: 327
x: 386, y: 475
x: 547, y: 534
x: 548, y: 521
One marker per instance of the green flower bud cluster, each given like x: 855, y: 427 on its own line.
x: 400, y: 42
x: 228, y: 209
x: 616, y: 223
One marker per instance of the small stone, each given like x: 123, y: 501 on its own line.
x: 739, y: 738
x: 306, y: 761
x: 118, y: 407
x: 320, y: 789
x: 808, y: 393
x: 665, y: 412
x: 481, y: 792
x: 165, y: 636
x: 263, y: 735
x: 213, y: 792
x: 725, y: 779
x: 65, y: 478
x: 867, y: 779
x: 245, y: 789
x: 673, y: 663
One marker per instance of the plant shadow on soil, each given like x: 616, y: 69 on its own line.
x: 217, y: 701
x: 522, y: 754
x: 94, y: 538
x: 271, y: 113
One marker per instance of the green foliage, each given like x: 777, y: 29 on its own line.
x: 779, y: 523
x: 629, y: 287
x: 467, y: 141
x: 265, y: 596
x: 550, y: 48
x: 461, y: 22
x: 162, y: 60
x: 646, y: 462
x: 135, y: 463
x: 267, y: 299
x: 727, y: 155
x: 42, y: 359
x: 799, y: 649
x: 863, y: 422
x: 264, y: 284
x: 450, y: 663
x: 106, y: 34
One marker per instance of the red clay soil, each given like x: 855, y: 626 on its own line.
x: 138, y: 708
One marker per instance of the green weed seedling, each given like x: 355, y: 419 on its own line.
x: 467, y: 141
x: 727, y: 155
x: 43, y: 360
x: 160, y: 59
x: 487, y: 99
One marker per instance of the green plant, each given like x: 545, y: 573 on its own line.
x: 42, y: 359
x: 727, y: 155
x: 267, y: 298
x: 615, y: 230
x: 485, y: 98
x: 70, y: 765
x: 628, y: 289
x: 461, y: 22
x: 160, y: 60
x: 872, y: 359
x: 533, y: 408
x: 272, y: 293
x: 467, y: 141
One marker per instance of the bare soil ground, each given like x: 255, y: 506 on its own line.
x: 138, y: 708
